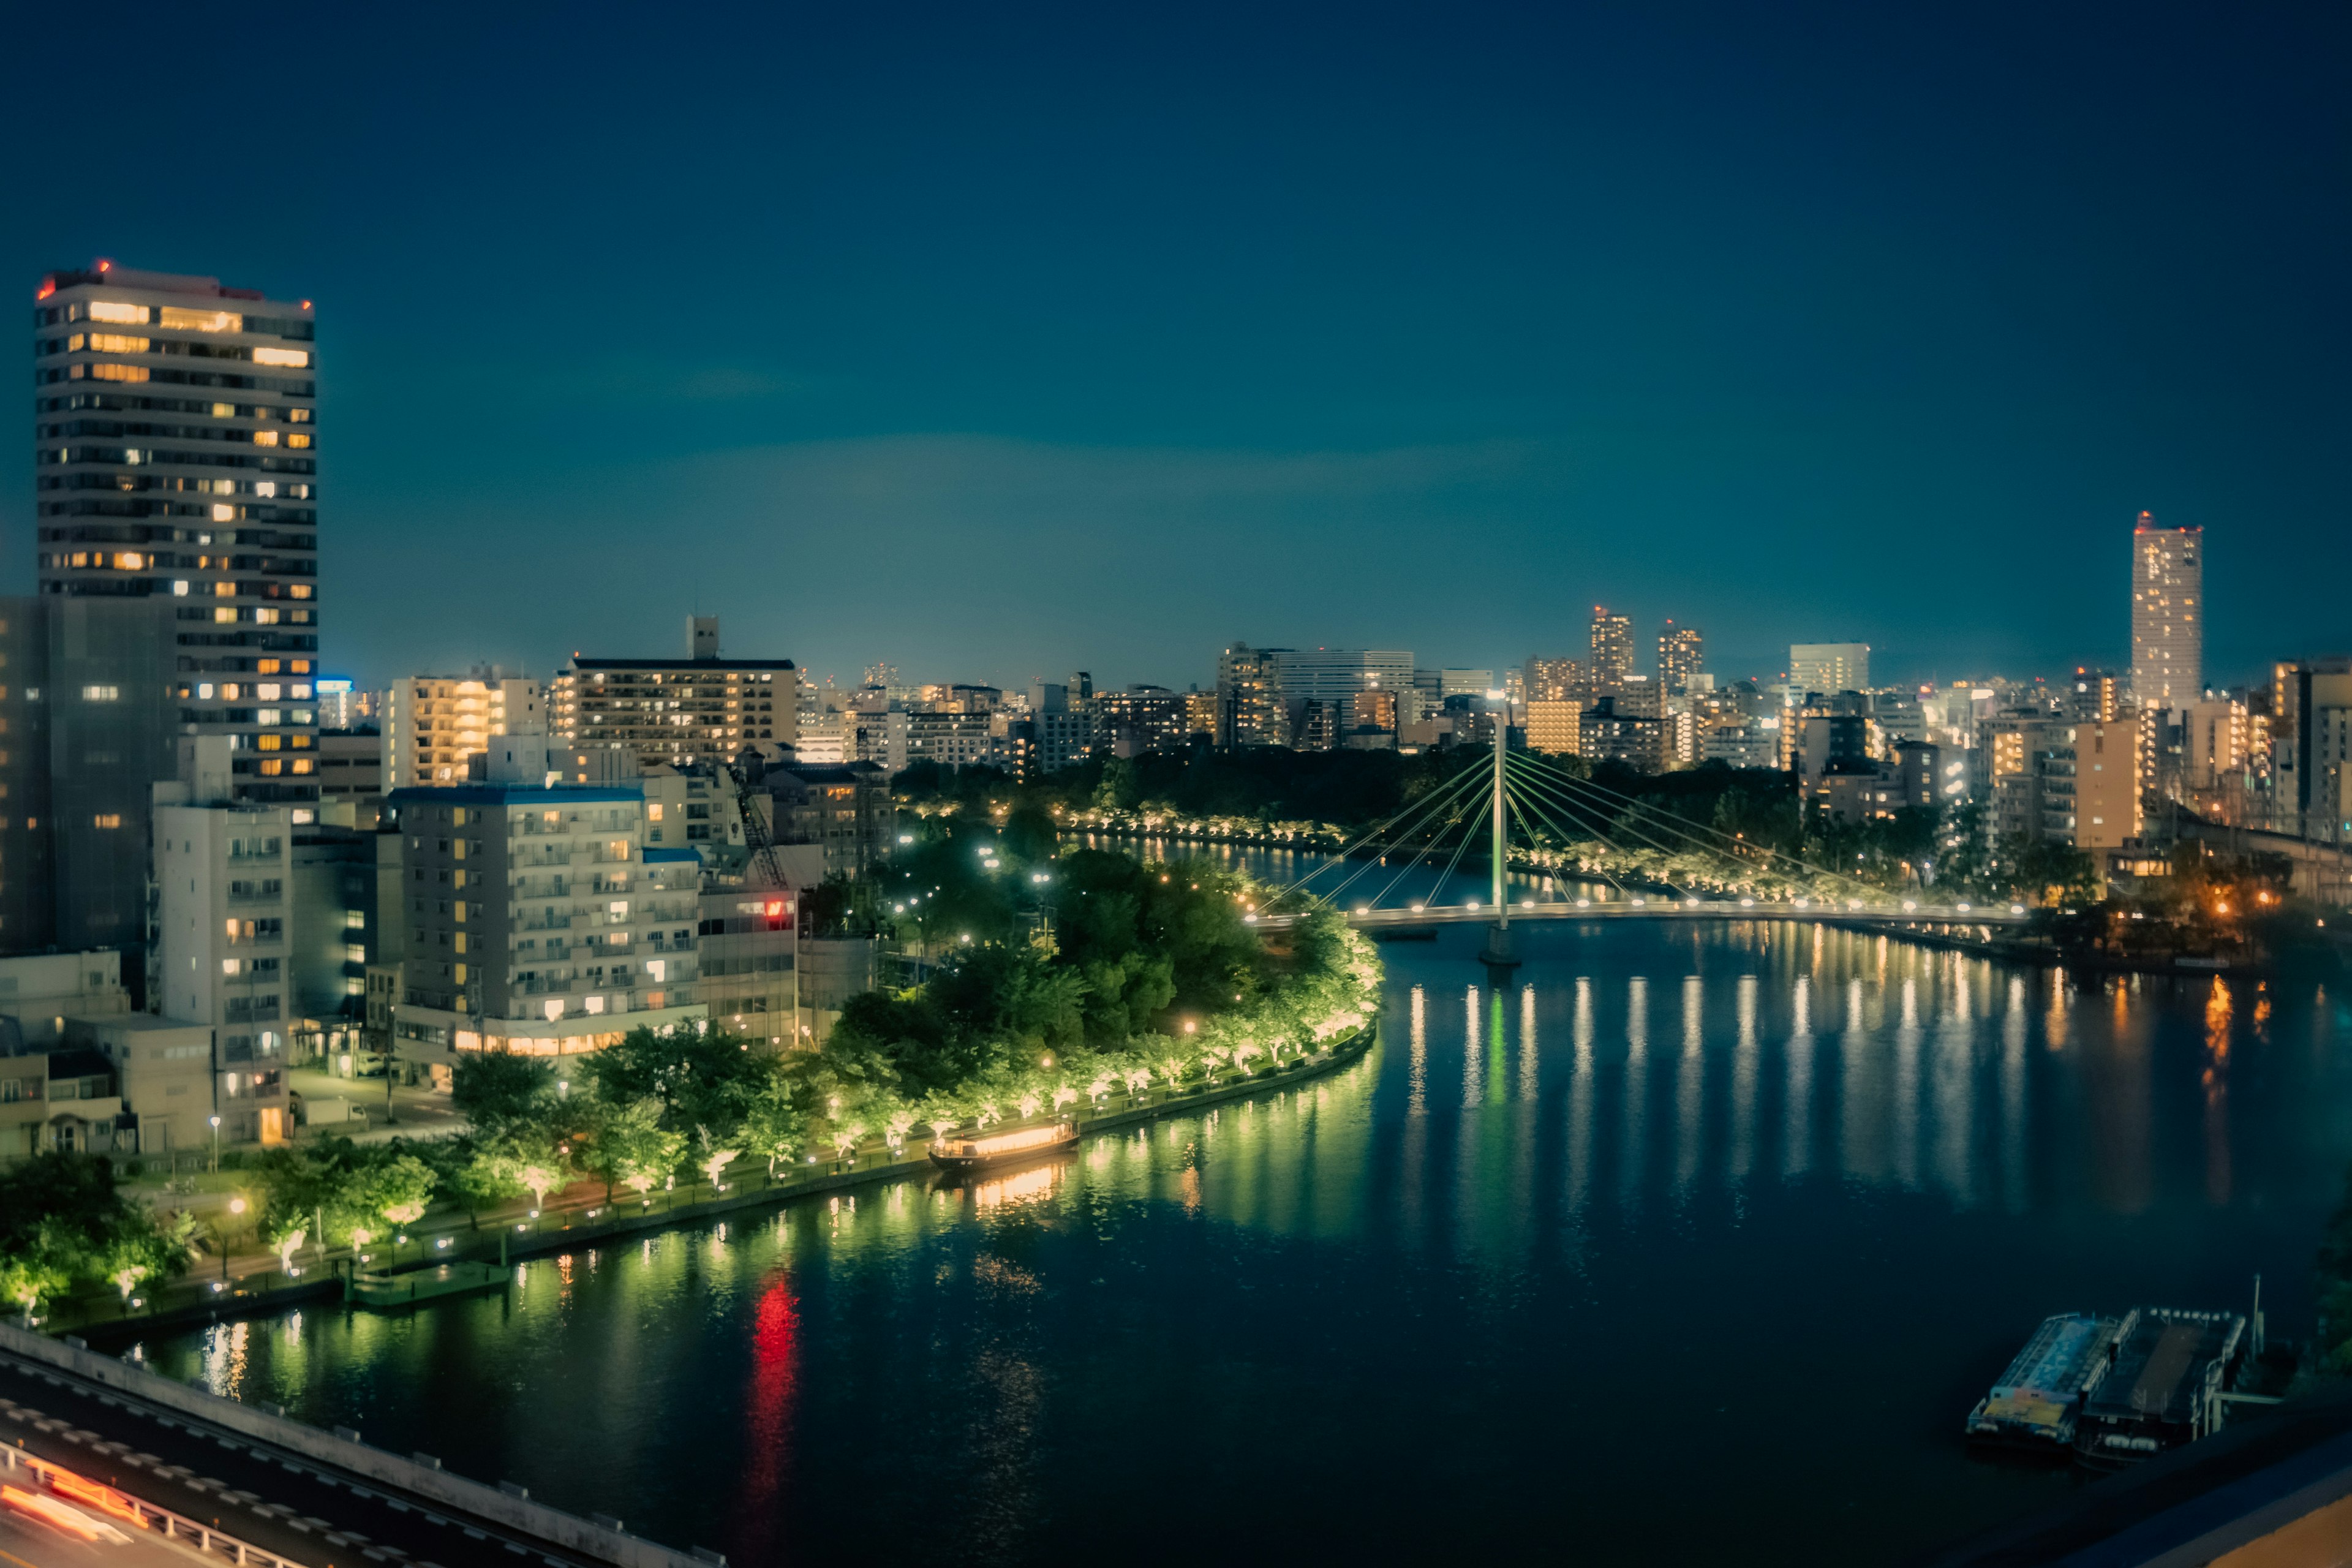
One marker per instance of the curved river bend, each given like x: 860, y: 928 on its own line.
x: 1698, y: 1243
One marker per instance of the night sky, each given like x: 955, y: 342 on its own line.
x: 996, y: 340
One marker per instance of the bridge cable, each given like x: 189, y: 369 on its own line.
x: 1691, y: 829
x: 1444, y: 795
x: 1625, y: 827
x: 1533, y: 806
x: 1416, y: 860
x: 1444, y: 876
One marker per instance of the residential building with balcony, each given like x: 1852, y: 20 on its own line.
x: 434, y: 725
x: 700, y: 708
x: 538, y: 919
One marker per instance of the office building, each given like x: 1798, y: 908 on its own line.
x: 1249, y: 707
x: 223, y: 957
x: 536, y: 919
x: 698, y: 708
x: 1829, y: 668
x: 1332, y: 676
x: 2167, y: 620
x: 433, y: 725
x: 1681, y: 656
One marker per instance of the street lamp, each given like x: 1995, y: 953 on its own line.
x: 215, y: 1122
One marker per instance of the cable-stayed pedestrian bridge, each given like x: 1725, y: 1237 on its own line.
x: 1560, y: 847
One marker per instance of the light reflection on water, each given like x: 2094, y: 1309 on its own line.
x: 1679, y: 1185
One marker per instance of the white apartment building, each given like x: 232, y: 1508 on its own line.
x: 538, y: 921
x: 224, y: 906
x: 432, y: 725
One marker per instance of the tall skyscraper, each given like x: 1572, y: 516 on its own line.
x: 1681, y: 653
x: 176, y: 513
x: 2168, y: 614
x: 1613, y: 649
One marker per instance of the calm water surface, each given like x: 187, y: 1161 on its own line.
x: 1695, y: 1244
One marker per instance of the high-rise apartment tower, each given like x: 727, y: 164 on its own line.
x: 2168, y: 627
x: 1613, y: 649
x: 177, y: 529
x: 1681, y: 655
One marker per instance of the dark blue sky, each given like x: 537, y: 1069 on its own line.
x: 993, y: 341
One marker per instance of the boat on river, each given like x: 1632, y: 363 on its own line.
x: 959, y: 1155
x: 2037, y: 1402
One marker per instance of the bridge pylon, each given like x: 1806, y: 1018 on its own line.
x: 1499, y: 956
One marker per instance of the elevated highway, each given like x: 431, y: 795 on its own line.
x: 105, y: 1456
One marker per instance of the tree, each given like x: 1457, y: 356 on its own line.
x: 494, y: 1088
x: 705, y: 1077
x: 626, y: 1146
x: 775, y: 1126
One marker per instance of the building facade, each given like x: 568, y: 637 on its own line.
x: 1829, y: 668
x: 538, y: 922
x: 679, y: 710
x: 224, y: 956
x: 2168, y: 614
x: 1682, y: 654
x: 432, y: 724
x: 1613, y: 649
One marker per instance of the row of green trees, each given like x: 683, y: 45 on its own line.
x: 1056, y: 978
x: 63, y: 1224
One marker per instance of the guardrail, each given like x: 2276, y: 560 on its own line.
x: 349, y: 1454
x: 114, y: 1504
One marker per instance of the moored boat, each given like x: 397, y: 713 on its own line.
x: 959, y: 1153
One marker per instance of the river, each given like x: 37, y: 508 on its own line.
x: 1695, y: 1244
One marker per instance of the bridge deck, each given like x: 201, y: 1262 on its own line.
x: 1918, y: 917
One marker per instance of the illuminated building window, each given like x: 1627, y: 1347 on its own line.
x: 117, y: 312
x: 296, y: 358
x: 185, y: 320
x: 107, y: 820
x: 106, y: 343
x: 110, y: 371
x: 265, y: 438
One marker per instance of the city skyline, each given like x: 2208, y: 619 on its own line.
x: 1483, y: 314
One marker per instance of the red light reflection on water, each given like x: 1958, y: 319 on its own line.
x: 768, y: 1419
